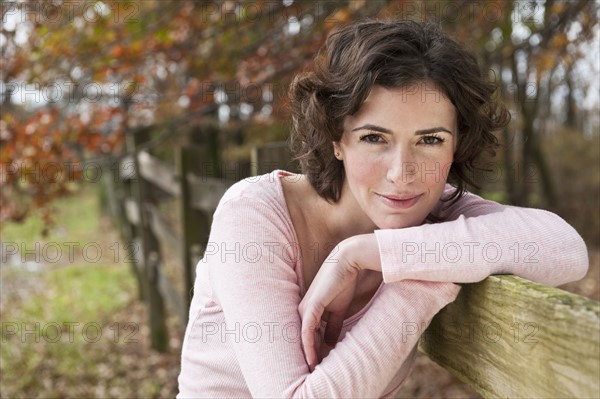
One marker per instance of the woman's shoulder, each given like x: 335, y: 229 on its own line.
x: 263, y: 190
x: 266, y: 187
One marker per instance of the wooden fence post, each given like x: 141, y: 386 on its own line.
x: 150, y: 251
x: 116, y: 181
x: 195, y: 223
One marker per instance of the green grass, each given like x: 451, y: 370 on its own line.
x: 71, y: 290
x: 76, y: 217
x: 79, y: 288
x: 80, y: 292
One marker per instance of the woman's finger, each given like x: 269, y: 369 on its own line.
x: 335, y: 320
x: 310, y: 334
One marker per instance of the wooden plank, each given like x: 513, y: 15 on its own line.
x: 206, y: 192
x: 161, y: 229
x: 195, y: 223
x: 117, y: 200
x: 168, y: 291
x: 150, y: 246
x: 158, y: 173
x: 508, y: 337
x: 127, y: 168
x: 136, y: 255
x: 132, y: 211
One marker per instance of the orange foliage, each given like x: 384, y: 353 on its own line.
x: 113, y: 65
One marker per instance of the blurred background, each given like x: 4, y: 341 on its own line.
x: 122, y: 122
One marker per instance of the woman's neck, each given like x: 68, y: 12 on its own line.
x: 344, y: 218
x: 325, y: 221
x: 324, y: 225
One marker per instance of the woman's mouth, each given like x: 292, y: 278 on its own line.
x: 399, y: 201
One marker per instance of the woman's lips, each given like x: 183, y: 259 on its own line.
x: 399, y: 202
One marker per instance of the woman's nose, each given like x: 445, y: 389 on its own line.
x: 402, y: 167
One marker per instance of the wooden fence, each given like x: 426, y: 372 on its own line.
x: 505, y: 336
x: 133, y: 197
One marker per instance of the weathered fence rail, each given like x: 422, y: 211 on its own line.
x: 508, y: 337
x: 505, y: 336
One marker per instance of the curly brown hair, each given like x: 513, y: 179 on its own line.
x: 391, y: 54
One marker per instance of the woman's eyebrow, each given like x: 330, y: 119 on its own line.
x: 376, y: 128
x: 380, y: 129
x: 433, y: 130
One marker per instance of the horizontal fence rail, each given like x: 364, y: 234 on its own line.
x: 508, y: 337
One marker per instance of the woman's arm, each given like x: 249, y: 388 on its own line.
x: 259, y: 293
x: 481, y: 238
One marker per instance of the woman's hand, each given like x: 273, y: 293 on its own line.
x: 333, y: 289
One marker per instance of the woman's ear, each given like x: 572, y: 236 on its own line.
x: 337, y: 150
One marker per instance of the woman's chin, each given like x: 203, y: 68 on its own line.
x: 396, y: 222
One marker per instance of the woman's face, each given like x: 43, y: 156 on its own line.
x: 397, y: 151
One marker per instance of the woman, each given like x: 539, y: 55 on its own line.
x: 391, y: 112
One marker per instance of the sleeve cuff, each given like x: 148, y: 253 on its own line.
x: 391, y: 264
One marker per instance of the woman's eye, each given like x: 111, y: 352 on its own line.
x: 371, y: 138
x: 429, y: 140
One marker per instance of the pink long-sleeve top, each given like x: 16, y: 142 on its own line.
x: 243, y: 335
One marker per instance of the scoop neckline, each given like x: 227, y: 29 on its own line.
x: 279, y: 173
